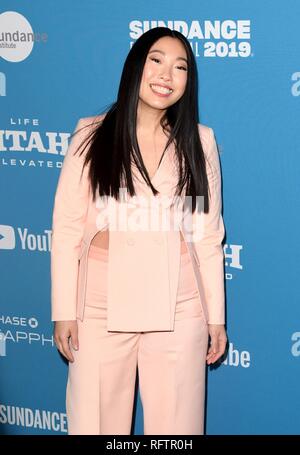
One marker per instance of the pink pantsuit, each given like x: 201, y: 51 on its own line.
x: 141, y: 304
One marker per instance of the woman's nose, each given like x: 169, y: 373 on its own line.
x: 166, y: 74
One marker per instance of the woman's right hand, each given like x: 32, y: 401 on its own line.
x: 63, y: 330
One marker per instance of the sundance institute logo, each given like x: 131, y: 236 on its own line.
x: 17, y: 37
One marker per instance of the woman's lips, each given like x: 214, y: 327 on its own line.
x: 156, y: 89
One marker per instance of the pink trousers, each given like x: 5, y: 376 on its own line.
x: 171, y: 365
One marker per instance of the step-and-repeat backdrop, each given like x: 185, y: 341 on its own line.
x: 60, y: 61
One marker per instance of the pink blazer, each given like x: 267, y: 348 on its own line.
x: 143, y: 266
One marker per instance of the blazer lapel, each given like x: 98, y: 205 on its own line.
x: 165, y: 178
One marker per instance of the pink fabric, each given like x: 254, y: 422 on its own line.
x: 187, y: 304
x: 78, y: 217
x: 171, y: 365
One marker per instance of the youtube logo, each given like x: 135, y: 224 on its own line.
x: 7, y: 237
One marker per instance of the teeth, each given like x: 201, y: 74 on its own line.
x: 160, y: 89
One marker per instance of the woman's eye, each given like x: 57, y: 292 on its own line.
x: 157, y: 60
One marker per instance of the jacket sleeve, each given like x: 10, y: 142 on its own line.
x: 209, y: 247
x: 68, y: 220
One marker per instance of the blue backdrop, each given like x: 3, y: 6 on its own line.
x: 249, y: 93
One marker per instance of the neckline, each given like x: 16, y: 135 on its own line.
x: 160, y: 164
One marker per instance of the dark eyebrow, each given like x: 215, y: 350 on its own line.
x: 161, y: 52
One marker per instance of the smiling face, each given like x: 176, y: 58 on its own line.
x: 165, y: 73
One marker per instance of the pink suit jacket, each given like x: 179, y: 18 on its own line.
x: 143, y: 266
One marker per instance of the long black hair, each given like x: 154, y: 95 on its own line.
x: 113, y: 142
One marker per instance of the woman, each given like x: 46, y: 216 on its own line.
x: 140, y: 297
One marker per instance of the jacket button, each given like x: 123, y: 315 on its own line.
x: 130, y: 241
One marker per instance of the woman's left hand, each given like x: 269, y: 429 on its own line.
x: 218, y: 341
